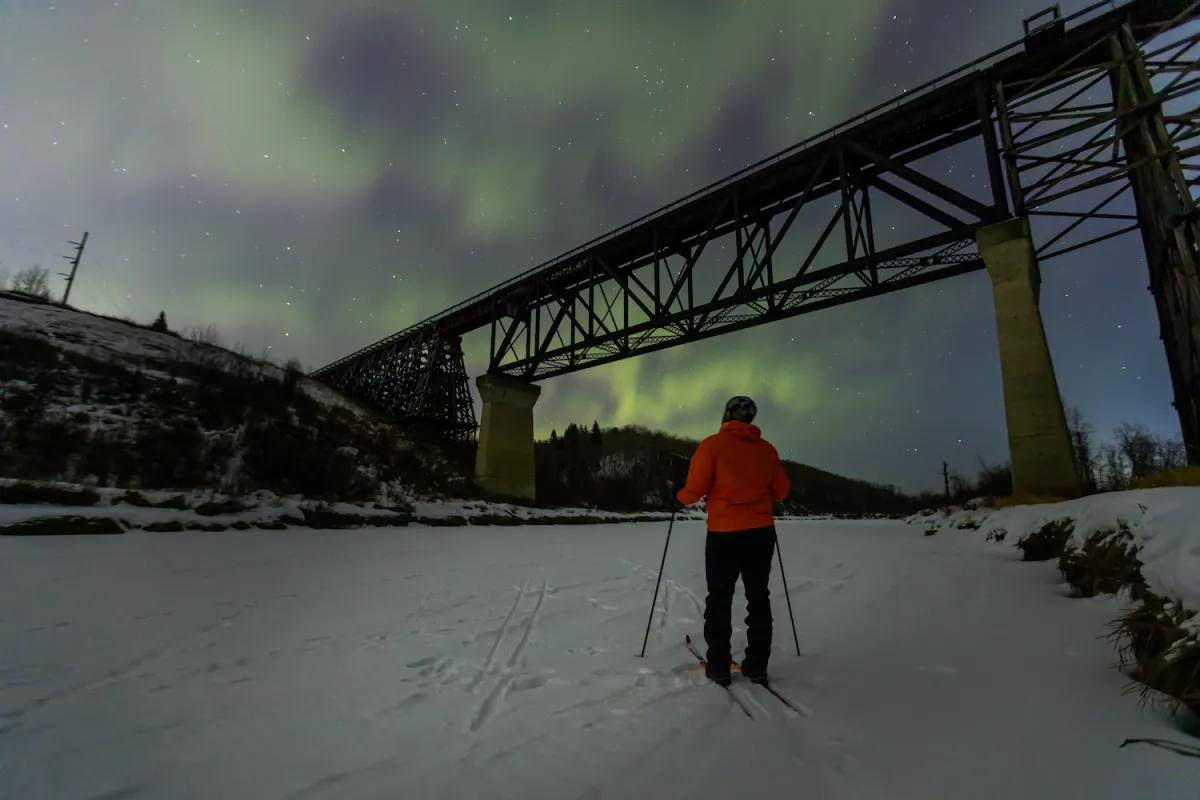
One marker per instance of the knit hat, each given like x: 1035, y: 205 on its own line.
x: 741, y: 409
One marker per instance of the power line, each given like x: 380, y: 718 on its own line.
x: 103, y: 275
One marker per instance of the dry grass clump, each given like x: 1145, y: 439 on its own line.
x: 1024, y: 500
x: 1106, y: 563
x: 1048, y: 542
x: 1178, y: 476
x: 1156, y: 647
x: 1160, y: 652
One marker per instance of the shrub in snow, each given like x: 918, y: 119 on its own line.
x: 1158, y: 644
x: 64, y: 526
x: 1048, y: 542
x: 26, y: 494
x: 1106, y: 563
x: 1142, y: 545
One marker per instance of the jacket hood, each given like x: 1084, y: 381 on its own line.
x: 741, y: 430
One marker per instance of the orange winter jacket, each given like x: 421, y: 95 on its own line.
x: 741, y: 474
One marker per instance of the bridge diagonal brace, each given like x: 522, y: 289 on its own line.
x: 686, y: 274
x: 760, y: 252
x: 745, y: 246
x: 547, y: 338
x: 825, y: 234
x: 506, y: 342
x: 917, y: 204
x: 568, y: 303
x: 622, y: 280
x: 793, y: 212
x: 593, y: 317
x: 935, y: 188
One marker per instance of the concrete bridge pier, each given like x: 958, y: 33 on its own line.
x: 504, y: 459
x: 1038, y: 441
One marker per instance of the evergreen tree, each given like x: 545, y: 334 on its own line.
x: 571, y: 436
x: 160, y: 322
x: 597, y: 436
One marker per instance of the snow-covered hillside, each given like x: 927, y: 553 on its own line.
x: 490, y: 664
x: 123, y: 342
x: 95, y: 401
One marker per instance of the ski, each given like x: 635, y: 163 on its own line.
x: 783, y: 699
x: 740, y: 703
x: 736, y: 667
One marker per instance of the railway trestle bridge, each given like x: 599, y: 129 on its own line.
x: 1072, y: 120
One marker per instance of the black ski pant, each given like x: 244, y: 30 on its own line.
x: 727, y: 556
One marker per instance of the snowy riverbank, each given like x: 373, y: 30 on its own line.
x: 1142, y: 547
x: 1164, y: 524
x: 48, y: 508
x: 45, y: 508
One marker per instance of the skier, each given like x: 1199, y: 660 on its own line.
x: 741, y: 475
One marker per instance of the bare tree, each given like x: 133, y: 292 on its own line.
x: 1113, y: 473
x: 206, y: 335
x: 994, y: 480
x: 961, y: 488
x: 1138, y: 446
x: 1170, y: 454
x: 3, y: 277
x: 34, y: 281
x: 1083, y: 446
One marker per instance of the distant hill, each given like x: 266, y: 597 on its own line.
x: 631, y: 468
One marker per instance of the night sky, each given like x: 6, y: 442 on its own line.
x: 310, y: 176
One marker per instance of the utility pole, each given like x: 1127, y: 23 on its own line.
x: 74, y: 265
x: 946, y: 478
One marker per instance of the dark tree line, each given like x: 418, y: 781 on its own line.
x: 633, y: 468
x: 1131, y: 456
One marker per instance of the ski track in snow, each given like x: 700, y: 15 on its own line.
x: 502, y: 663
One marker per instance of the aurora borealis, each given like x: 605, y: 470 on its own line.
x: 313, y: 176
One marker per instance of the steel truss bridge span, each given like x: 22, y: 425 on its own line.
x: 1073, y: 112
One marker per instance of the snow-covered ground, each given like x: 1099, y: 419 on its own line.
x: 503, y: 663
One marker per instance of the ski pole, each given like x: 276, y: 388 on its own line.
x: 661, y: 566
x: 785, y: 594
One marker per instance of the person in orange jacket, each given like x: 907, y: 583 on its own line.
x: 741, y: 475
